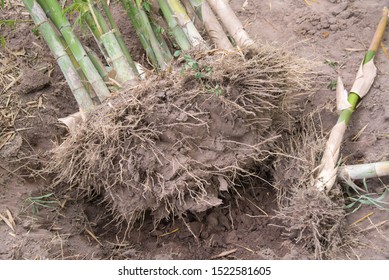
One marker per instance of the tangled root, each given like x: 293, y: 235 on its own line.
x: 173, y: 143
x: 310, y: 217
x: 315, y: 221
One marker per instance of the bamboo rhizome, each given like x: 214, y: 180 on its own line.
x: 364, y: 171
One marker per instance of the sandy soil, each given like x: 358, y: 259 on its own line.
x: 33, y: 95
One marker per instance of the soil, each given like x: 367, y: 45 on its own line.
x: 42, y: 222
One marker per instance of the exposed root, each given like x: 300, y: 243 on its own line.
x: 310, y: 217
x: 315, y: 221
x: 172, y: 144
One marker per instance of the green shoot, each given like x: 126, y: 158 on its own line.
x: 35, y: 31
x: 214, y: 89
x: 11, y: 22
x: 146, y: 6
x: 190, y: 63
x: 332, y: 85
x: 358, y: 199
x: 332, y: 64
x: 44, y: 201
x: 80, y: 7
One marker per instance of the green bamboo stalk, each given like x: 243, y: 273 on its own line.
x: 143, y: 28
x: 130, y: 9
x: 353, y: 97
x: 162, y: 42
x: 124, y: 72
x: 196, y: 19
x: 118, y: 36
x: 93, y: 27
x: 81, y: 95
x: 98, y: 64
x: 54, y: 11
x: 186, y: 24
x: 178, y: 34
x: 197, y: 7
x: 327, y: 176
x: 153, y: 39
x: 364, y: 171
x: 81, y: 74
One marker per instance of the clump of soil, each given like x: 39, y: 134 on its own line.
x: 174, y: 143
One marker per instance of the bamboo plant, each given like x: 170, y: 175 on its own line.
x: 54, y: 12
x: 107, y: 41
x: 118, y: 35
x: 49, y: 34
x: 147, y: 37
x: 361, y: 86
x: 177, y: 32
x: 186, y: 24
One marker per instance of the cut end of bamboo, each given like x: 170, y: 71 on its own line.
x: 73, y: 121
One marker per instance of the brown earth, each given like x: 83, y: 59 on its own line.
x: 34, y: 95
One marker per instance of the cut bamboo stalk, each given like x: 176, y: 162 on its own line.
x: 178, y: 34
x: 364, y: 171
x: 118, y: 36
x: 212, y: 25
x: 231, y: 22
x: 191, y: 32
x: 54, y: 11
x: 81, y: 95
x: 365, y: 77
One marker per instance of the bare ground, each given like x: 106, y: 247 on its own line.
x: 333, y: 31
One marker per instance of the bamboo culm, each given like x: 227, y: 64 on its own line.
x: 54, y: 11
x: 80, y: 93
